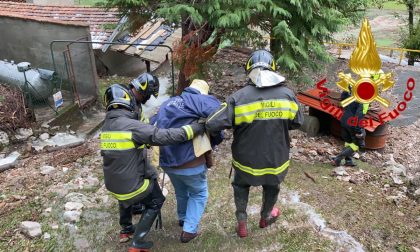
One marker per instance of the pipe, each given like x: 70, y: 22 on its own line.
x: 40, y: 87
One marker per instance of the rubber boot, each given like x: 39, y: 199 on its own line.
x: 241, y: 194
x: 142, y: 229
x: 346, y: 152
x: 269, y: 213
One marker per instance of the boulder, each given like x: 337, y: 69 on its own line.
x: 9, y: 161
x: 31, y: 228
x: 46, y: 170
x: 70, y: 206
x: 72, y: 216
x: 4, y: 138
x: 44, y: 136
x: 23, y: 134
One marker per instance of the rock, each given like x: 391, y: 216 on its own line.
x: 417, y: 193
x: 44, y: 136
x: 397, y: 169
x: 81, y: 198
x: 340, y: 171
x: 415, y: 249
x: 72, y: 216
x: 91, y: 182
x: 31, y: 228
x: 46, y: 170
x: 47, y: 236
x: 356, y: 155
x: 9, y: 161
x: 65, y: 170
x: 397, y: 180
x: 45, y: 125
x: 23, y: 134
x: 59, y: 141
x: 4, y: 138
x: 54, y: 226
x: 77, y: 206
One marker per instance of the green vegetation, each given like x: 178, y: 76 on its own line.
x: 394, y: 5
x: 88, y: 2
x: 297, y: 29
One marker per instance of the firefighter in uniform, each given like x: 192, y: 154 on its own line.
x: 126, y: 173
x: 353, y: 135
x: 261, y: 114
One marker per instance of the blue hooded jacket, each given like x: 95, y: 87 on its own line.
x: 179, y: 111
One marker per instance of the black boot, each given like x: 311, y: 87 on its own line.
x: 346, y: 152
x: 349, y: 162
x: 142, y: 228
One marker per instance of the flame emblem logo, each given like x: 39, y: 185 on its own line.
x: 365, y: 62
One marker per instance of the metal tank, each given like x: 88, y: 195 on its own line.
x: 41, y: 80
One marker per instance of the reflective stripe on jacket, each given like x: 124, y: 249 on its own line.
x: 122, y: 146
x: 261, y: 119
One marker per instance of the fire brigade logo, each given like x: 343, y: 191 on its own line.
x: 365, y: 62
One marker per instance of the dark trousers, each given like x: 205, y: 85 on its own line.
x: 241, y: 195
x: 153, y: 201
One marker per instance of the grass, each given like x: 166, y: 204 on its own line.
x: 362, y: 210
x: 394, y: 5
x: 88, y: 2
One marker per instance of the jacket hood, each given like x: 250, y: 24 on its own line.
x: 192, y: 90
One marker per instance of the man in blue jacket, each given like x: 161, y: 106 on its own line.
x: 187, y: 171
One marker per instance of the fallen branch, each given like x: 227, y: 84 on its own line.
x: 309, y: 176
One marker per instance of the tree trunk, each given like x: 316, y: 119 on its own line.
x: 410, y: 6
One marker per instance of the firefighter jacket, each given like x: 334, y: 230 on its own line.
x: 181, y: 110
x: 123, y: 139
x: 261, y: 118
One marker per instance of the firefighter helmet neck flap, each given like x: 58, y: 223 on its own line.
x: 261, y: 69
x: 147, y: 85
x: 118, y: 96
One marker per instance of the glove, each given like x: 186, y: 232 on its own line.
x: 198, y: 128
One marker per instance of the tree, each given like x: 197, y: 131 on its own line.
x: 297, y: 29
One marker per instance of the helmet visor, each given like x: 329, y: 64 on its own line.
x: 265, y: 78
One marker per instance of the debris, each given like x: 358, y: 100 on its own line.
x: 54, y: 226
x: 77, y: 206
x: 44, y: 136
x: 46, y: 170
x: 9, y: 161
x: 47, y: 236
x: 340, y: 171
x: 13, y: 112
x: 23, y: 134
x: 48, y: 210
x: 309, y: 176
x: 31, y: 228
x: 356, y: 155
x: 57, y: 142
x: 65, y: 170
x: 72, y: 216
x: 4, y: 138
x: 415, y: 249
x: 81, y: 198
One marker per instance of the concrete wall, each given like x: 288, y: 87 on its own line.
x: 112, y: 62
x: 52, y: 2
x: 29, y: 40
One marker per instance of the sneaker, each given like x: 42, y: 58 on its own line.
x: 275, y: 213
x: 187, y: 237
x: 241, y: 229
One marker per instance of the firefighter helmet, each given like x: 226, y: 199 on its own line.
x: 117, y: 96
x: 146, y: 84
x: 261, y: 59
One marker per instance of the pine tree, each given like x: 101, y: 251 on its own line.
x: 296, y: 29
